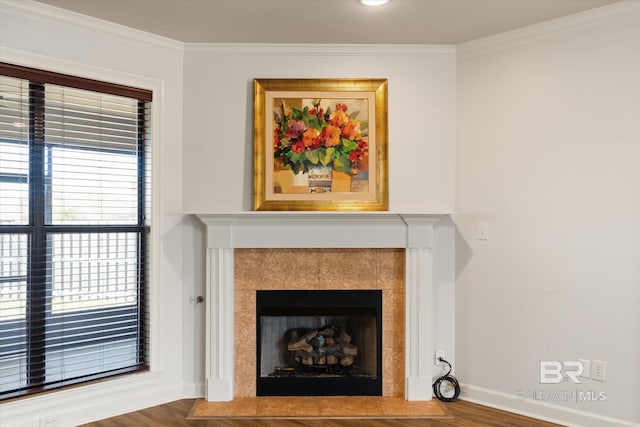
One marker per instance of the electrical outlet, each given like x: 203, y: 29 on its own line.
x: 50, y: 421
x: 439, y: 354
x: 482, y: 233
x: 598, y: 370
x: 586, y: 368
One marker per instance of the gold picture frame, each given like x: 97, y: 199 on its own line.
x: 320, y: 144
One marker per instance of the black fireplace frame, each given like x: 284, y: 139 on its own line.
x: 311, y: 302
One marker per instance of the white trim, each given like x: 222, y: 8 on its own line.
x: 298, y: 49
x: 418, y: 328
x: 192, y: 390
x: 575, y: 22
x: 78, y: 69
x: 220, y: 325
x: 540, y: 410
x: 81, y: 22
x: 320, y: 230
x: 91, y: 402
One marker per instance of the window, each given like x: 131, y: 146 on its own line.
x: 75, y: 166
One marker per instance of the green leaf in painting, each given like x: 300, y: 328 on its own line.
x: 295, y: 157
x: 327, y: 156
x: 348, y: 144
x: 312, y: 156
x: 342, y: 164
x: 295, y: 167
x: 313, y: 122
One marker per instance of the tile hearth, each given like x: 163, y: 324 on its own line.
x: 337, y: 407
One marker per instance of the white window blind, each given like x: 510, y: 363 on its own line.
x: 75, y: 166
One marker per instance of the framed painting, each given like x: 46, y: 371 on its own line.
x: 320, y: 144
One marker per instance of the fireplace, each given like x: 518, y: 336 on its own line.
x: 319, y: 343
x: 425, y: 295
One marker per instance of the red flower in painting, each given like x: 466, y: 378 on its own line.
x: 356, y: 155
x: 298, y: 147
x: 316, y: 112
x: 276, y: 138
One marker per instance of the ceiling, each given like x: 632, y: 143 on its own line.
x: 326, y: 21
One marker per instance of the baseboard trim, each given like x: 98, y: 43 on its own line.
x: 193, y: 390
x: 539, y: 410
x: 89, y: 403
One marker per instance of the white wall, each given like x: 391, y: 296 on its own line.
x: 219, y: 117
x: 549, y: 155
x: 43, y: 37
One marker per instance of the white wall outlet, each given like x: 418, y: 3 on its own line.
x: 439, y: 354
x: 483, y: 231
x: 49, y: 421
x: 586, y: 368
x: 598, y: 370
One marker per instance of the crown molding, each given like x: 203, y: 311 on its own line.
x: 298, y: 49
x: 33, y: 9
x: 566, y: 24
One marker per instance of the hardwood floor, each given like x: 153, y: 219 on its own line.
x: 464, y: 414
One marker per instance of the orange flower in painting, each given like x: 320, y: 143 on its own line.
x: 338, y: 118
x: 351, y: 129
x: 311, y: 138
x: 330, y: 136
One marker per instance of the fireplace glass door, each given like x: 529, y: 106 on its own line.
x: 319, y: 343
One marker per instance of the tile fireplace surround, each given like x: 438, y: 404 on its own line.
x: 428, y: 269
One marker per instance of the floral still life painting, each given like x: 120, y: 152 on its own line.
x: 320, y: 145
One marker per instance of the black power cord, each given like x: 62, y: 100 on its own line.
x: 450, y: 381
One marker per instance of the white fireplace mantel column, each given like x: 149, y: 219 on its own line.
x: 418, y: 308
x: 227, y: 231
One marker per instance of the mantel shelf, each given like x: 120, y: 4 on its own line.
x: 319, y: 229
x: 337, y: 215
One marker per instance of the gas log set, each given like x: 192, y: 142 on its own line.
x: 327, y: 346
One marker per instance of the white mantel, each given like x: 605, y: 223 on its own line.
x: 413, y: 232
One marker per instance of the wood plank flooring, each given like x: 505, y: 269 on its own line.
x: 464, y: 414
